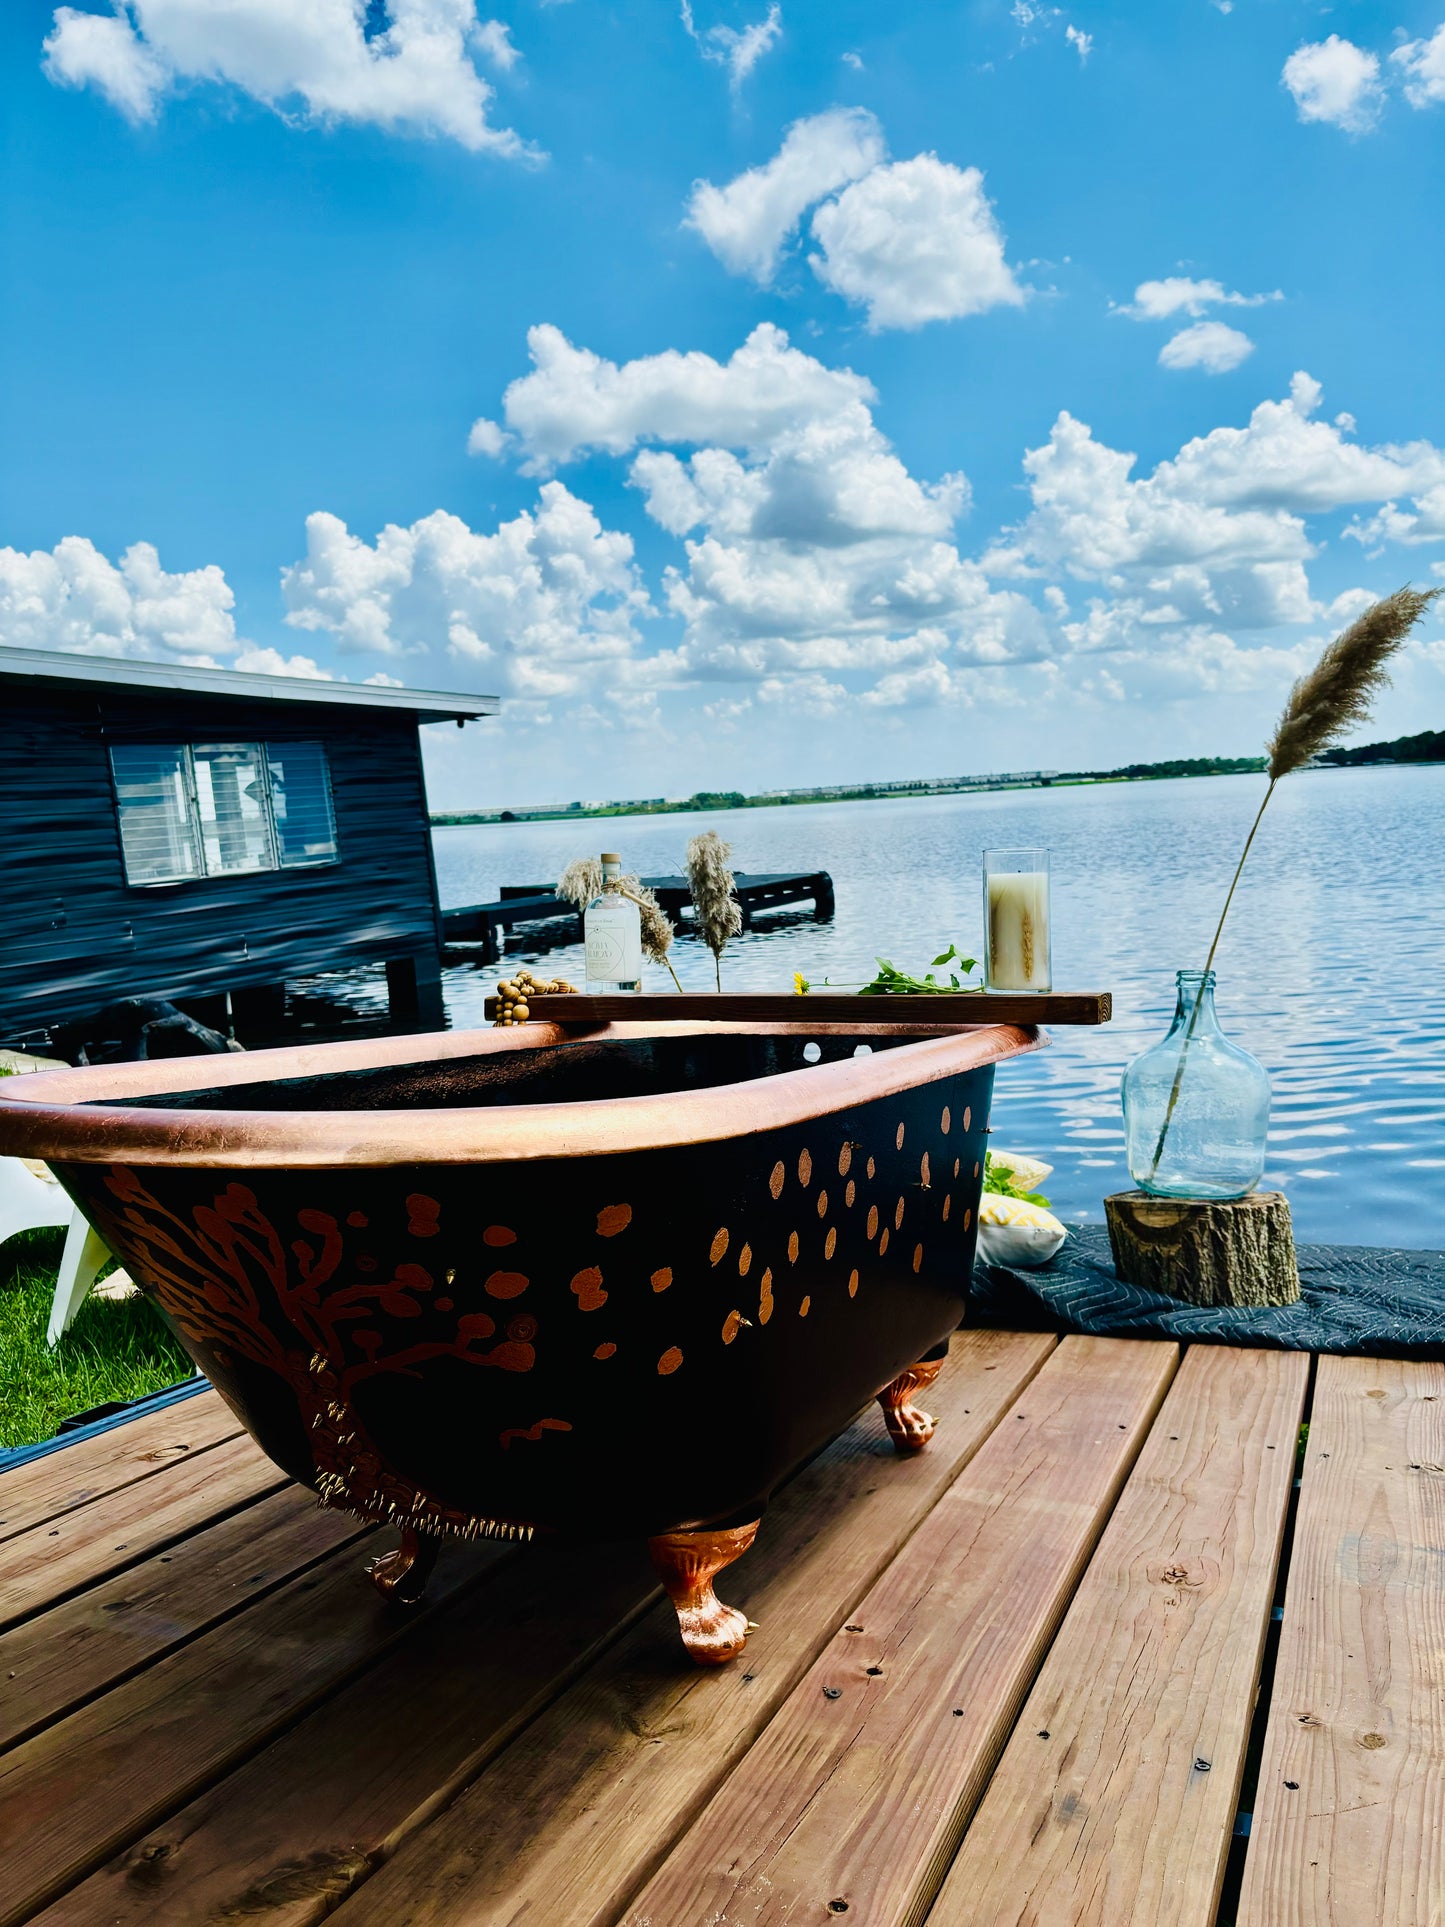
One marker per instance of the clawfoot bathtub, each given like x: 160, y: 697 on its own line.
x: 508, y: 1281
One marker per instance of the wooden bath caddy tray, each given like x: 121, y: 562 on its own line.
x: 826, y: 1007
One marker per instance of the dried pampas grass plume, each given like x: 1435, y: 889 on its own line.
x: 1328, y: 701
x: 1337, y: 693
x: 710, y: 881
x: 581, y: 883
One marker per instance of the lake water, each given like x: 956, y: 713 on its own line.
x: 1330, y: 969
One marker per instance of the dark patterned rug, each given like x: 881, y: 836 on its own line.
x: 1356, y: 1298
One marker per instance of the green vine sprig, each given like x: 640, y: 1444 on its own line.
x: 893, y: 982
x: 999, y: 1177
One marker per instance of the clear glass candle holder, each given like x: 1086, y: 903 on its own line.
x: 1016, y: 920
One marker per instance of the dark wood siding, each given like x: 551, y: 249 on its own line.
x: 74, y: 935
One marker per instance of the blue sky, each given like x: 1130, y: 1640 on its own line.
x: 816, y: 472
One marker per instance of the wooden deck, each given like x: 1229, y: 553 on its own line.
x: 477, y: 932
x: 1011, y: 1680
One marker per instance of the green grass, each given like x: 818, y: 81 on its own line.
x: 116, y: 1349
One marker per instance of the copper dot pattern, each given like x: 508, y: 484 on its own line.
x: 587, y: 1289
x: 748, y: 1240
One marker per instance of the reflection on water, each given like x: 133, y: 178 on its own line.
x: 1329, y: 970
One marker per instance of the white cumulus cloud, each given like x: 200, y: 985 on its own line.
x: 1209, y: 345
x: 545, y: 603
x: 739, y: 49
x: 915, y: 241
x: 488, y: 438
x: 1423, y: 521
x: 416, y: 76
x: 1216, y: 534
x: 812, y: 559
x: 73, y: 597
x: 270, y: 662
x: 1287, y: 458
x: 1179, y: 294
x: 809, y: 547
x: 910, y: 241
x: 575, y: 400
x: 746, y: 222
x: 1422, y: 62
x: 1082, y: 43
x: 1335, y: 81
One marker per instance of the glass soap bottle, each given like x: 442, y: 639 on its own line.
x: 612, y: 930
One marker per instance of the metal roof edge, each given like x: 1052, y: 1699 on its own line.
x: 123, y: 672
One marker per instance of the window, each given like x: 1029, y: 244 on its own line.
x: 301, y: 803
x: 157, y: 833
x: 230, y: 791
x: 222, y: 809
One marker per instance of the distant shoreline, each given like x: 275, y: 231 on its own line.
x: 1372, y: 755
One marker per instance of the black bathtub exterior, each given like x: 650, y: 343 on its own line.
x: 609, y: 1346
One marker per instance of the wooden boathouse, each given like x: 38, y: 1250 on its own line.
x: 187, y: 833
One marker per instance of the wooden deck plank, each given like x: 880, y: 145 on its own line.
x: 280, y: 1841
x: 77, y: 1474
x: 855, y: 1797
x: 80, y: 1547
x: 1349, y: 1818
x: 83, y: 1789
x: 1114, y: 1802
x: 566, y: 1824
x: 57, y: 1660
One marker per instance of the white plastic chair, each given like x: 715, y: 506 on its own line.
x: 86, y: 1252
x: 29, y: 1203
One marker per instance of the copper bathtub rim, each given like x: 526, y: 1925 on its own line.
x: 54, y: 1115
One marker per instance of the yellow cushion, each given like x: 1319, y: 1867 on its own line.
x: 1011, y: 1232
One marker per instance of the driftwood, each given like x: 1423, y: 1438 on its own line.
x: 1240, y: 1252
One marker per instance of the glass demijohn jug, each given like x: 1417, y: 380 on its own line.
x: 1210, y: 1143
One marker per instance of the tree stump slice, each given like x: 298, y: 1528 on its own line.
x: 1236, y: 1252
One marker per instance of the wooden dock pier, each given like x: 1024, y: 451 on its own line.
x: 477, y: 931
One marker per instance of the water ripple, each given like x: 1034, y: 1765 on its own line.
x: 1329, y: 971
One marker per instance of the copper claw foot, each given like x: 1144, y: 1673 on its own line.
x: 909, y: 1428
x: 402, y: 1575
x: 687, y: 1563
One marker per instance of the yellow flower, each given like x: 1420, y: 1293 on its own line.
x: 801, y: 986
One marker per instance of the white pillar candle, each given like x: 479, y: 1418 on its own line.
x: 1018, y: 930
